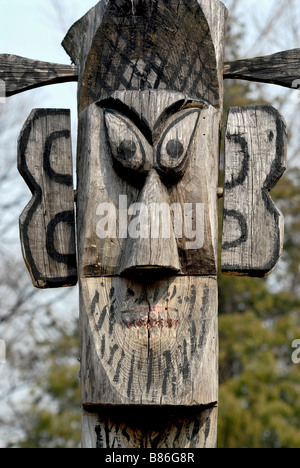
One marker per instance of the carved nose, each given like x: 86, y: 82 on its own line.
x: 154, y: 252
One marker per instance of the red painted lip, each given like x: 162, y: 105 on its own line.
x: 150, y: 316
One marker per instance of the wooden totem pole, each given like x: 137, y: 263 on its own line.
x: 150, y: 101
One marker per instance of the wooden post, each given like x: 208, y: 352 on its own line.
x: 150, y: 106
x: 150, y: 97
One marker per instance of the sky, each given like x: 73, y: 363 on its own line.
x: 30, y: 28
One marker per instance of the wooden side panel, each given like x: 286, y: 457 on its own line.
x: 255, y: 159
x: 47, y: 225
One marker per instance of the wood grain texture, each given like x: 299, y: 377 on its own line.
x: 47, y: 225
x: 149, y: 344
x: 102, y: 182
x: 255, y: 159
x: 282, y: 68
x: 122, y: 46
x: 143, y: 342
x: 21, y: 74
x: 149, y: 427
x: 149, y: 125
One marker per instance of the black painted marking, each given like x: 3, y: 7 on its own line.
x: 173, y: 293
x: 99, y: 441
x: 174, y: 386
x: 150, y: 370
x: 130, y: 379
x: 118, y: 370
x: 95, y: 301
x: 241, y: 177
x: 156, y: 294
x: 126, y: 150
x: 207, y: 429
x: 65, y: 179
x: 205, y: 300
x: 203, y: 335
x: 113, y: 351
x: 112, y: 313
x: 111, y: 293
x: 186, y: 365
x: 192, y: 300
x: 125, y: 434
x: 243, y: 227
x: 175, y: 149
x: 196, y: 429
x: 102, y: 346
x: 66, y: 217
x: 193, y: 331
x: 168, y: 358
x: 102, y: 318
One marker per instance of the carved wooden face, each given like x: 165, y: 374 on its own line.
x: 147, y: 197
x: 147, y: 211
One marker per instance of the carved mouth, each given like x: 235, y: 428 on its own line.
x: 150, y: 316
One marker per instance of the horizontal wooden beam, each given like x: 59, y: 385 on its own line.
x: 21, y: 74
x: 282, y: 69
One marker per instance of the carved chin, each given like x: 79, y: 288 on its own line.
x: 152, y: 341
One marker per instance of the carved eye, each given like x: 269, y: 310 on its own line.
x: 126, y: 142
x: 173, y: 148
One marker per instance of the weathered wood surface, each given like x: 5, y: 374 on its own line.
x: 186, y: 183
x: 47, y: 225
x: 124, y: 48
x: 149, y: 344
x: 22, y: 74
x: 150, y: 427
x: 255, y: 159
x: 132, y: 344
x: 282, y: 68
x: 149, y: 128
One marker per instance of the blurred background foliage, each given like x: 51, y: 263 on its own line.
x: 259, y: 403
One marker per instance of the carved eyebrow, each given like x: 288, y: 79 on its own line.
x: 171, y: 111
x: 130, y: 113
x: 151, y: 134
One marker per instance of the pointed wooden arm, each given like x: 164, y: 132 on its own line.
x: 282, y: 69
x: 21, y: 74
